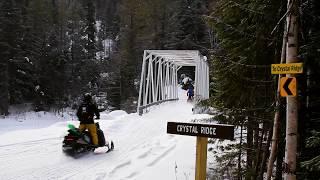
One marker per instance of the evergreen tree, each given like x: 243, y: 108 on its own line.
x: 7, y: 41
x: 16, y: 66
x: 90, y: 29
x: 243, y: 87
x: 309, y: 123
x: 188, y: 28
x: 21, y: 68
x: 133, y: 25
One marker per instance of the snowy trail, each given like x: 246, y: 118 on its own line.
x: 143, y: 149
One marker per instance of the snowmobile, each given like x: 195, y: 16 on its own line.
x: 76, y: 142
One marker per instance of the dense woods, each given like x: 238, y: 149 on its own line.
x: 52, y: 51
x: 249, y: 38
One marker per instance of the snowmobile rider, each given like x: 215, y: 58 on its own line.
x: 190, y: 93
x: 85, y: 113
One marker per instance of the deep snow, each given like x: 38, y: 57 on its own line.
x: 30, y: 146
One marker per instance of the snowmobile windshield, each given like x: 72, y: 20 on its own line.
x: 71, y: 126
x: 73, y: 130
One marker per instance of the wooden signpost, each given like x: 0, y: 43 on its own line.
x: 203, y: 132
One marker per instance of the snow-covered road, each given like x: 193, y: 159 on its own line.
x: 31, y: 148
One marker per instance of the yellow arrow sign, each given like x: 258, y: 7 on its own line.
x: 288, y: 86
x: 291, y: 68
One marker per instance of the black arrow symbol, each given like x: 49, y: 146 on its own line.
x: 286, y: 86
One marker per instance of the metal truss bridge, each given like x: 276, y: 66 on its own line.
x: 159, y: 76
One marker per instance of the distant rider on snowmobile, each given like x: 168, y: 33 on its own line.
x: 85, y: 113
x: 190, y: 93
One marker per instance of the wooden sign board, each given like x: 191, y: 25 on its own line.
x: 290, y: 68
x: 220, y: 131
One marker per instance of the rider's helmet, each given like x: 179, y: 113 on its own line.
x: 87, y: 97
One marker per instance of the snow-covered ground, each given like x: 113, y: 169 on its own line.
x: 30, y: 146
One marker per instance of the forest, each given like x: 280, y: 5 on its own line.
x: 53, y: 51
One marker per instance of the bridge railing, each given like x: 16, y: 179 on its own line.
x: 142, y: 108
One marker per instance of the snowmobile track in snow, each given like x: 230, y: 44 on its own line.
x: 30, y: 142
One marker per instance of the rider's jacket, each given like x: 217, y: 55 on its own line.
x: 86, y: 111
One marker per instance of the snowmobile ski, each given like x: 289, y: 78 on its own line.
x: 104, y: 149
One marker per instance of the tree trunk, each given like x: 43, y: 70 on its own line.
x: 239, y: 157
x: 249, y: 144
x: 265, y: 153
x: 276, y: 121
x: 255, y: 145
x: 292, y: 102
x: 280, y: 155
x: 259, y: 151
x: 4, y: 88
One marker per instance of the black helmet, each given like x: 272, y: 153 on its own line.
x: 87, y: 97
